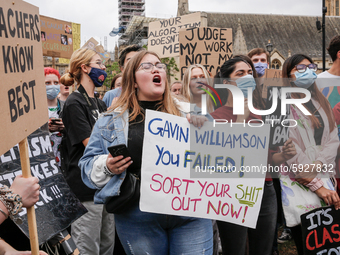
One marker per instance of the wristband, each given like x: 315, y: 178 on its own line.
x: 13, y: 202
x: 6, y: 215
x: 108, y: 172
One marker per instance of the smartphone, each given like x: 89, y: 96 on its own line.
x: 119, y: 149
x: 55, y: 120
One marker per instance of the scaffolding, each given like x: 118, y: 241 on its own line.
x: 129, y: 8
x: 137, y: 31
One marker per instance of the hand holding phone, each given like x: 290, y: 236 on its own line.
x: 54, y: 120
x: 119, y: 150
x: 117, y: 166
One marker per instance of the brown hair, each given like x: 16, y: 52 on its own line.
x: 287, y: 67
x: 258, y: 51
x: 334, y: 47
x: 228, y: 68
x: 129, y: 100
x: 127, y: 50
x: 114, y: 80
x: 78, y: 58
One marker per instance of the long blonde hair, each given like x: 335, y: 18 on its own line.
x: 129, y: 100
x: 78, y: 58
x: 186, y: 85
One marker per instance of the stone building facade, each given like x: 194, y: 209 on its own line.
x: 288, y: 34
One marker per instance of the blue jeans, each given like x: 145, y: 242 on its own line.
x: 233, y: 237
x: 161, y: 234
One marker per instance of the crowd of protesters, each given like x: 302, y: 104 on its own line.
x: 82, y: 127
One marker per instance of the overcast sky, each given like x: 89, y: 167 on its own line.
x: 98, y: 17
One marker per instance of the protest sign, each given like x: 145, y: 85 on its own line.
x: 163, y: 34
x: 76, y: 42
x: 279, y: 127
x: 178, y: 162
x: 22, y: 92
x: 321, y: 231
x: 93, y: 45
x: 56, y: 37
x: 208, y: 46
x: 57, y: 207
x: 273, y: 78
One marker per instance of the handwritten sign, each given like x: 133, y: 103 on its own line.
x: 93, y: 45
x: 321, y: 231
x: 208, y: 46
x: 163, y: 34
x: 56, y: 37
x: 22, y: 90
x: 58, y: 207
x: 206, y: 173
x: 273, y: 78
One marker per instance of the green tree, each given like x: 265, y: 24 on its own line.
x: 171, y: 67
x: 112, y: 71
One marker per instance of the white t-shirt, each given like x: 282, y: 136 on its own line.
x: 323, y: 80
x: 55, y: 137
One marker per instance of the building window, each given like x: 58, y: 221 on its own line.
x: 337, y: 8
x: 276, y: 64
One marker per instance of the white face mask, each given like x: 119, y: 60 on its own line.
x: 52, y: 91
x: 246, y: 82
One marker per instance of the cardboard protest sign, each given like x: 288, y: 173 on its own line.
x: 58, y: 207
x: 76, y: 42
x: 163, y: 34
x: 56, y: 37
x: 93, y: 45
x: 212, y: 172
x: 321, y: 231
x: 22, y: 90
x: 273, y: 78
x: 279, y: 126
x: 208, y: 46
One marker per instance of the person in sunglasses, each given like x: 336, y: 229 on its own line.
x: 315, y: 138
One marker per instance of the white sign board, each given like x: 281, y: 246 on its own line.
x: 178, y: 162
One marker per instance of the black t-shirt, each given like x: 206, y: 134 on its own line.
x: 136, y: 136
x: 79, y: 120
x: 14, y: 236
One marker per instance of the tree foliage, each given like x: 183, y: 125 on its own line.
x: 112, y: 71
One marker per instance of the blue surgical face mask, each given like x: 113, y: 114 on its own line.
x: 98, y: 76
x: 260, y: 68
x: 52, y: 91
x: 305, y: 79
x: 246, y: 82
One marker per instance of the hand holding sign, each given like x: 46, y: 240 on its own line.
x: 27, y: 188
